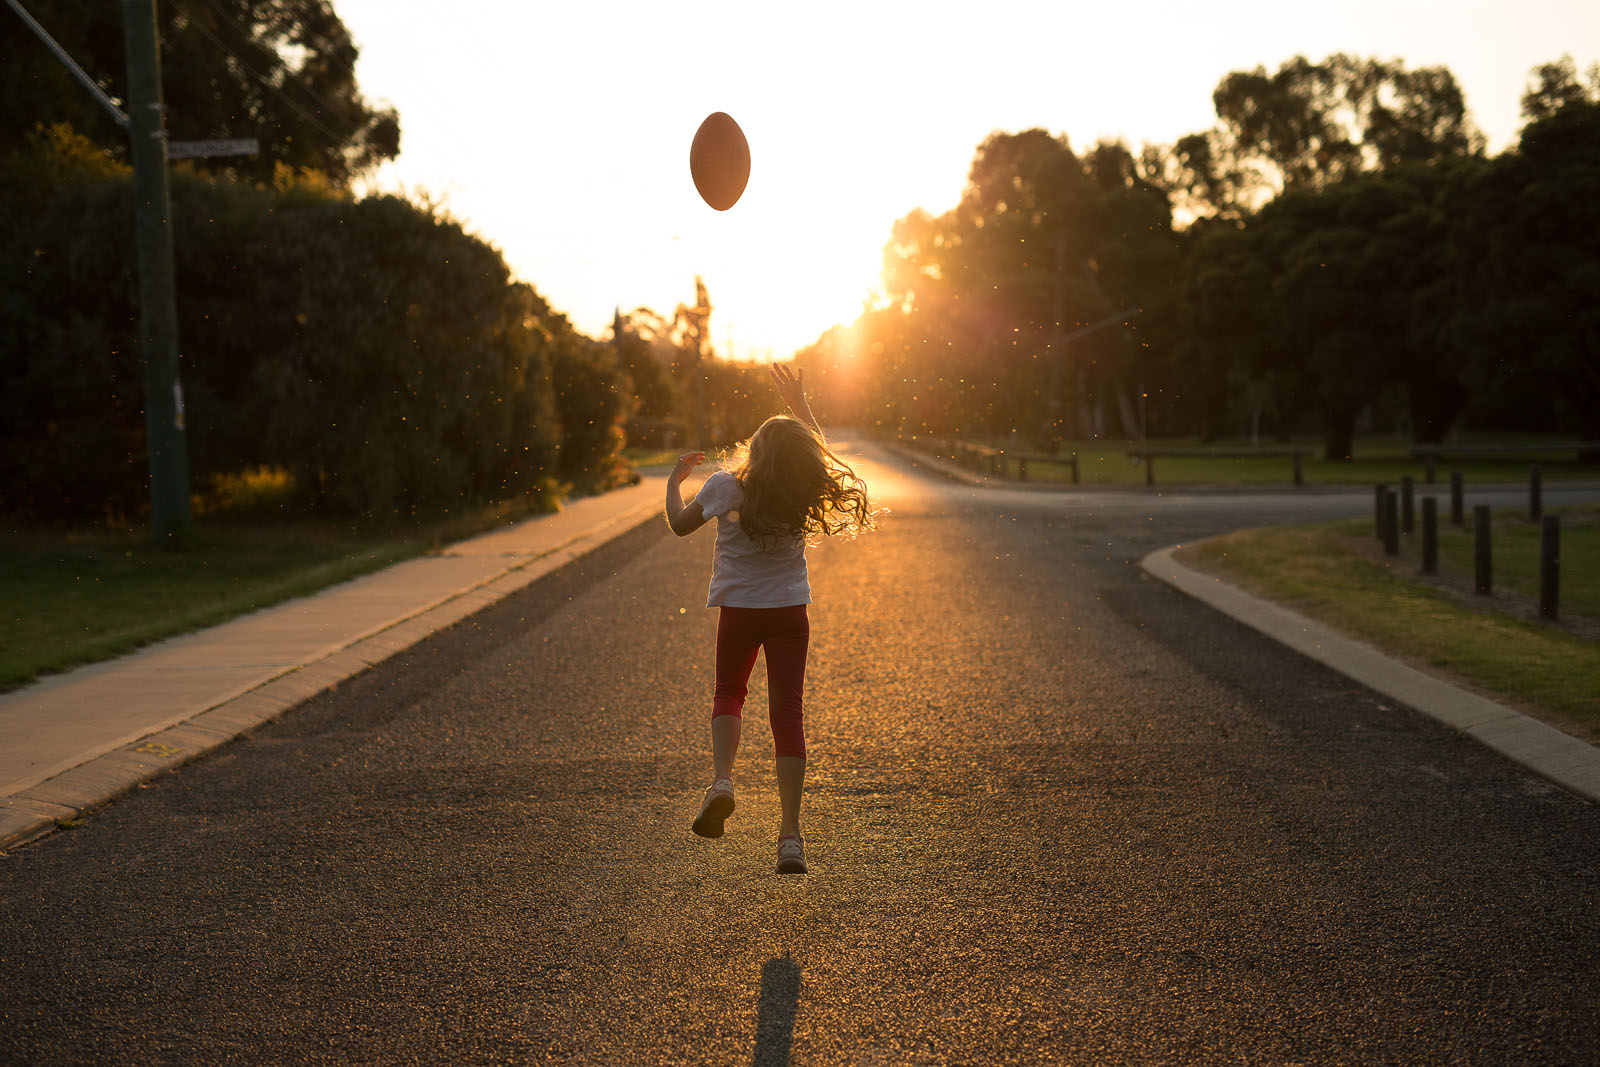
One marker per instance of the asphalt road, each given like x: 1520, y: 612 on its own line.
x: 1056, y: 813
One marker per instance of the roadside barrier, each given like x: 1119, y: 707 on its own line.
x: 995, y: 462
x: 1148, y: 455
x: 1392, y: 515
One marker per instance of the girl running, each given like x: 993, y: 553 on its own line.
x: 775, y: 491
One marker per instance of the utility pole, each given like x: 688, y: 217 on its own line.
x: 158, y: 306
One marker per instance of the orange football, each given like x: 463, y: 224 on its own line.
x: 719, y: 161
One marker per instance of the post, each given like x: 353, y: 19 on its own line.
x: 1549, y: 565
x: 1407, y: 511
x: 1149, y: 470
x: 1430, y: 535
x: 1481, y: 563
x: 1457, y: 501
x: 158, y: 305
x: 1535, y: 501
x: 1379, y: 493
x: 1299, y: 471
x: 1391, y: 524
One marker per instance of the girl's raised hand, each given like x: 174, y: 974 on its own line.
x: 686, y: 463
x: 791, y: 385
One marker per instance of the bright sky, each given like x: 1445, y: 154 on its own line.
x: 560, y: 131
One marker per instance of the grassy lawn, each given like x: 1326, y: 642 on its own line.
x: 1376, y: 459
x: 1515, y: 556
x: 1336, y: 572
x: 653, y: 457
x: 69, y: 598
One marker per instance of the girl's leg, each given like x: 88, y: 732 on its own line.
x: 786, y: 643
x: 791, y: 787
x: 737, y: 645
x: 725, y: 731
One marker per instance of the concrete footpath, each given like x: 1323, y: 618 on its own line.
x: 73, y: 741
x: 1541, y: 748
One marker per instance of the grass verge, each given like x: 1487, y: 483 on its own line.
x: 70, y: 598
x: 652, y: 457
x: 1337, y: 573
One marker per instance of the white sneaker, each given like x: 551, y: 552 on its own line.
x: 715, y: 809
x: 791, y: 855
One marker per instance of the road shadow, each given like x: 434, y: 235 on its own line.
x: 780, y: 994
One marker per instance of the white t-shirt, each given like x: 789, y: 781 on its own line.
x: 743, y: 575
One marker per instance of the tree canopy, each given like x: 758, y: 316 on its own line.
x: 281, y: 71
x: 1310, y: 124
x: 1337, y: 251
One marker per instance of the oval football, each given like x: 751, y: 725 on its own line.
x: 719, y: 161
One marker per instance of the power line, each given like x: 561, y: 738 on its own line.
x: 268, y: 83
x: 227, y: 17
x: 71, y: 65
x: 423, y: 94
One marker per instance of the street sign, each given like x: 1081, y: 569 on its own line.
x: 246, y: 146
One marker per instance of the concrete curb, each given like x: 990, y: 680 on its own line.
x: 949, y: 470
x: 1541, y: 748
x: 40, y: 809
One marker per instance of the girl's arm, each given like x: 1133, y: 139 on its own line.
x: 683, y: 520
x: 791, y: 386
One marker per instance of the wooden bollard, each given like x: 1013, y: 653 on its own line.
x: 1430, y: 535
x: 1391, y: 524
x: 1482, y: 564
x: 1549, y: 565
x: 1379, y: 492
x: 1535, y: 496
x: 1457, y: 500
x: 1407, y: 512
x: 1299, y: 471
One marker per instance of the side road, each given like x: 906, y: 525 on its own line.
x: 73, y: 741
x: 1541, y: 748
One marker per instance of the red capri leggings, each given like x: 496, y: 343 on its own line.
x: 785, y: 633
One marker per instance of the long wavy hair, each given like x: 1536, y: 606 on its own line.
x: 795, y: 486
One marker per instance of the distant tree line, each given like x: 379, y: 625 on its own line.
x: 1338, y: 246
x: 684, y: 395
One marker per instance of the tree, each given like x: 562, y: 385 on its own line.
x: 1524, y: 260
x: 281, y: 71
x: 1042, y: 244
x: 1555, y: 85
x: 374, y: 350
x: 1230, y: 340
x: 1309, y: 124
x: 591, y: 404
x: 650, y: 388
x: 691, y: 327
